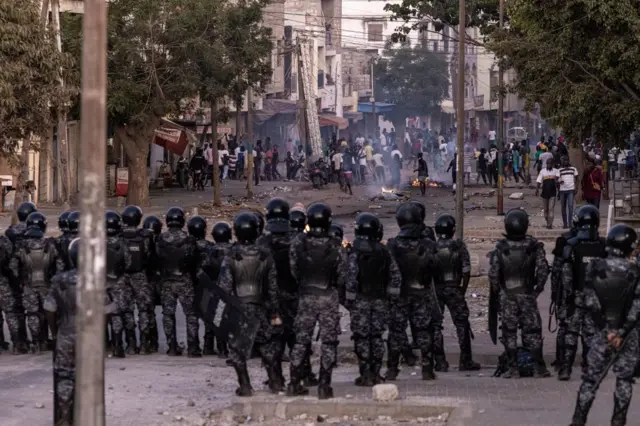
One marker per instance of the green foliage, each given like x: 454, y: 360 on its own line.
x: 30, y: 69
x: 415, y: 79
x: 579, y: 60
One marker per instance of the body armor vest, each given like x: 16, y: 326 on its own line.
x: 204, y: 250
x: 449, y: 263
x: 280, y: 253
x: 62, y: 245
x: 373, y: 269
x: 214, y: 263
x: 115, y: 259
x: 249, y: 271
x: 583, y: 252
x: 318, y: 265
x: 518, y: 265
x: 414, y: 263
x: 66, y: 313
x: 615, y: 292
x: 173, y: 256
x: 137, y: 251
x: 37, y: 261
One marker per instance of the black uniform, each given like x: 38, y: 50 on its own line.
x: 118, y: 290
x: 151, y: 228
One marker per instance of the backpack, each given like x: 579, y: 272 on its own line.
x: 524, y: 362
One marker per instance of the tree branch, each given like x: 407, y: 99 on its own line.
x: 594, y: 78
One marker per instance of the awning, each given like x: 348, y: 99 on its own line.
x: 381, y: 107
x: 447, y: 106
x: 328, y: 120
x: 174, y: 137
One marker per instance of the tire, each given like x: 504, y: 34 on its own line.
x: 316, y: 182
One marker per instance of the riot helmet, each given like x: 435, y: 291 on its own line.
x: 621, y: 240
x: 260, y: 218
x: 74, y: 250
x: 336, y: 231
x: 587, y: 219
x: 408, y: 215
x: 367, y: 226
x: 37, y: 220
x: 175, y: 217
x: 153, y: 223
x: 221, y: 232
x: 74, y: 222
x: 114, y: 223
x: 132, y: 216
x: 445, y: 226
x: 278, y: 216
x: 319, y: 219
x: 246, y: 227
x: 516, y: 224
x: 297, y: 219
x: 63, y: 222
x: 197, y: 227
x: 24, y: 210
x: 421, y: 208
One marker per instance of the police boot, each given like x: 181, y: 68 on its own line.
x: 132, y: 347
x: 581, y: 412
x: 64, y: 414
x: 193, y: 350
x: 619, y: 417
x: 427, y: 370
x: 512, y: 369
x: 19, y: 346
x: 243, y: 380
x: 221, y: 346
x: 153, y: 337
x: 174, y: 350
x: 107, y: 339
x: 409, y: 357
x: 309, y: 379
x: 208, y: 349
x: 376, y: 365
x: 44, y: 346
x: 3, y: 344
x: 393, y: 361
x: 365, y: 378
x: 116, y: 345
x: 441, y: 364
x: 295, y: 387
x: 146, y: 346
x: 325, y: 391
x: 276, y: 381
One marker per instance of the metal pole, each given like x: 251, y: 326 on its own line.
x: 250, y: 144
x: 373, y: 105
x: 500, y: 192
x: 89, y: 407
x: 460, y: 125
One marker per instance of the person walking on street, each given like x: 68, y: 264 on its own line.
x: 468, y: 157
x: 423, y: 174
x: 482, y: 167
x: 275, y: 159
x: 592, y: 182
x: 548, y: 179
x: 567, y: 180
x: 257, y: 162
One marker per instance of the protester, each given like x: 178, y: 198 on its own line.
x: 548, y: 179
x: 592, y: 183
x: 567, y: 179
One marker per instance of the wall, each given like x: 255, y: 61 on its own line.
x: 273, y: 18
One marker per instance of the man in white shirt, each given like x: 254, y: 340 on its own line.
x: 492, y: 136
x: 379, y: 170
x: 208, y: 154
x: 223, y: 161
x: 383, y: 138
x: 568, y: 190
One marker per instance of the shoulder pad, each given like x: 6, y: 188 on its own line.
x: 502, y: 246
x: 567, y: 251
x: 561, y: 242
x: 573, y: 241
x: 534, y: 245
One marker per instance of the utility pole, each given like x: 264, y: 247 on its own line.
x: 302, y: 111
x: 500, y: 202
x: 215, y: 179
x: 373, y: 105
x: 89, y: 395
x: 250, y: 144
x: 460, y: 124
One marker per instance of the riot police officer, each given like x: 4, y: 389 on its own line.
x: 63, y: 241
x: 317, y: 263
x: 518, y: 271
x: 415, y: 256
x: 337, y: 232
x: 177, y: 255
x: 8, y: 301
x: 35, y: 261
x: 454, y: 266
x: 248, y: 272
x: 585, y: 246
x: 117, y: 285
x: 558, y: 302
x: 260, y: 217
x: 197, y: 228
x: 73, y: 223
x: 152, y: 228
x: 137, y: 264
x: 297, y: 219
x: 16, y: 232
x: 427, y: 231
x: 373, y: 278
x: 611, y: 296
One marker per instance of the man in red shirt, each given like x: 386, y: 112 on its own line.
x: 592, y: 183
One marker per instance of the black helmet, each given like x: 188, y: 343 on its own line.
x: 367, y: 226
x: 74, y: 222
x: 221, y: 232
x: 380, y: 233
x: 74, y: 250
x: 297, y: 219
x: 319, y: 219
x: 132, y: 216
x: 336, y: 231
x: 587, y: 217
x: 24, y: 210
x: 278, y: 216
x: 445, y: 226
x: 421, y: 207
x: 516, y: 223
x: 197, y: 227
x: 409, y: 214
x: 622, y: 239
x: 246, y: 226
x: 114, y: 223
x: 153, y: 223
x: 63, y: 221
x: 175, y: 217
x: 260, y: 218
x: 37, y: 220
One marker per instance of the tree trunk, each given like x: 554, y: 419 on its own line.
x: 238, y: 118
x: 23, y: 176
x: 216, y: 163
x: 63, y: 164
x: 136, y: 146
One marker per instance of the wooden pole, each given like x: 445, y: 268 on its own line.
x: 215, y: 179
x: 250, y: 143
x: 89, y: 406
x: 460, y: 125
x: 500, y: 192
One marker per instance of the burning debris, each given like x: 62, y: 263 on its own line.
x: 430, y: 183
x: 389, y: 195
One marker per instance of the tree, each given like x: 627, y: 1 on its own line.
x: 415, y: 79
x: 30, y: 71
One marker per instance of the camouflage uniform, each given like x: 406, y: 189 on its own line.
x: 118, y: 290
x: 176, y: 253
x: 518, y: 270
x: 259, y: 306
x: 417, y: 304
x: 35, y: 261
x: 558, y: 293
x: 612, y: 298
x: 153, y: 277
x: 62, y: 246
x: 319, y: 300
x: 15, y: 233
x: 7, y: 299
x: 373, y: 278
x: 211, y: 266
x: 137, y: 262
x: 204, y: 250
x: 454, y: 262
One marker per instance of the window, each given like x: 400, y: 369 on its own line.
x: 434, y: 46
x: 374, y: 32
x: 445, y: 39
x: 279, y: 53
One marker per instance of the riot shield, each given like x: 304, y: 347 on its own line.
x: 227, y: 315
x: 494, y: 309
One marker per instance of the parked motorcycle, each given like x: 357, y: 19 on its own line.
x: 318, y: 174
